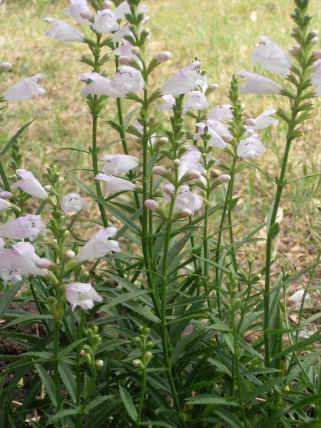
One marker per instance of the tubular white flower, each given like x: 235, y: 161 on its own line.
x: 213, y: 129
x: 122, y: 10
x: 167, y: 104
x: 118, y: 163
x: 64, y: 32
x: 82, y: 294
x: 249, y: 147
x: 99, y: 245
x: 316, y: 78
x: 221, y: 112
x: 127, y: 79
x: 30, y: 184
x: 271, y: 56
x: 4, y: 205
x: 26, y: 227
x: 190, y: 162
x: 264, y: 120
x: 25, y: 89
x: 73, y: 202
x: 196, y: 100
x: 257, y: 84
x: 119, y: 35
x: 105, y: 22
x: 114, y: 184
x: 185, y: 80
x: 19, y: 261
x: 78, y: 10
x: 186, y: 200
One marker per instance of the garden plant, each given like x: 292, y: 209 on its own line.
x: 132, y: 292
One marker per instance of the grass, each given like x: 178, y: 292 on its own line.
x: 222, y: 35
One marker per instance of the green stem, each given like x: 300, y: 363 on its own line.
x: 227, y: 201
x: 164, y: 328
x: 56, y: 359
x: 94, y: 158
x: 4, y: 178
x: 142, y: 396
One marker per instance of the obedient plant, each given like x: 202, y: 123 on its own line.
x: 147, y: 310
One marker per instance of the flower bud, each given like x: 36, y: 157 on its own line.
x: 137, y: 363
x: 169, y: 189
x: 5, y: 66
x: 149, y: 355
x: 151, y: 204
x: 43, y: 263
x: 315, y: 40
x: 99, y: 363
x: 135, y: 50
x: 158, y: 170
x: 294, y: 50
x: 107, y: 4
x: 251, y: 121
x: 163, y: 140
x: 5, y: 195
x: 224, y: 178
x: 163, y: 56
x: 317, y: 54
x: 124, y: 60
x: 70, y: 254
x: 314, y: 33
x: 212, y: 87
x: 176, y: 162
x: 85, y: 15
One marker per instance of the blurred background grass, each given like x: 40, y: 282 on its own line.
x: 222, y: 34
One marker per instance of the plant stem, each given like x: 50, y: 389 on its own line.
x: 56, y: 359
x: 4, y: 178
x: 142, y: 396
x: 227, y: 201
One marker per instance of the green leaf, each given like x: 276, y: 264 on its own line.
x: 128, y: 403
x: 29, y: 317
x: 68, y: 378
x: 62, y: 414
x: 208, y: 399
x: 15, y: 137
x: 8, y: 296
x: 48, y: 382
x: 94, y: 403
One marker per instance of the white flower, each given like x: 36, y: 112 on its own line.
x: 114, y: 184
x: 99, y: 245
x: 30, y: 184
x: 185, y: 80
x: 118, y: 163
x: 257, y: 84
x: 167, y: 104
x: 4, y: 204
x: 5, y: 66
x: 19, y: 261
x: 122, y: 10
x: 187, y: 201
x: 82, y: 294
x: 264, y: 120
x: 72, y: 202
x: 190, y: 162
x: 127, y: 79
x: 213, y: 130
x: 316, y: 78
x: 105, y: 22
x: 63, y: 31
x: 26, y: 227
x: 271, y: 56
x: 221, y: 112
x: 196, y: 100
x: 25, y: 89
x: 119, y: 35
x: 249, y: 147
x: 298, y: 296
x: 98, y: 85
x: 80, y: 11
